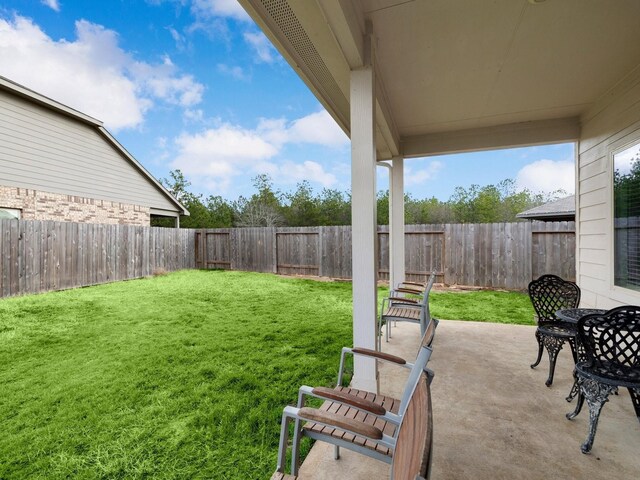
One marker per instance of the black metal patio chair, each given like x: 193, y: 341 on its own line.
x: 609, y: 350
x: 548, y: 294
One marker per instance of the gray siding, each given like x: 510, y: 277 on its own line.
x: 47, y: 151
x: 611, y: 124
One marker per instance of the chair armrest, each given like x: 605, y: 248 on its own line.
x: 404, y: 300
x: 367, y: 353
x: 348, y: 399
x: 334, y: 420
x: 382, y: 356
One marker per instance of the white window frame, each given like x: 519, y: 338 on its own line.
x: 622, y: 289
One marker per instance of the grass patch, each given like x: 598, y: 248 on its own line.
x: 177, y: 376
x: 483, y: 306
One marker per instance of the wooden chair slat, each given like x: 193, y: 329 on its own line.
x: 390, y: 403
x: 413, y: 446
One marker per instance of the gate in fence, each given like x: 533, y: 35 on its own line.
x: 500, y: 255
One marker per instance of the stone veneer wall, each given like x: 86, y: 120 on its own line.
x: 38, y: 205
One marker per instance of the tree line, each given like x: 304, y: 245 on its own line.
x: 269, y: 207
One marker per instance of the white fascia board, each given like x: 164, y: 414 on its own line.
x: 257, y: 12
x: 347, y: 24
x: 164, y: 213
x: 339, y: 41
x: 512, y: 135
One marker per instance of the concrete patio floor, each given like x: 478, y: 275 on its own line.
x: 493, y: 416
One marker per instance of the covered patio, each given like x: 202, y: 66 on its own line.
x: 407, y: 79
x: 493, y: 416
x: 414, y: 78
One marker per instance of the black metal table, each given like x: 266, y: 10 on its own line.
x: 572, y: 315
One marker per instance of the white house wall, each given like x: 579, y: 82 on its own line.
x: 50, y: 152
x: 613, y: 123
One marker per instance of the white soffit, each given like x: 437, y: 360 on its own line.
x: 452, y: 69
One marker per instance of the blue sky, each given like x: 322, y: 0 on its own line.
x: 195, y: 85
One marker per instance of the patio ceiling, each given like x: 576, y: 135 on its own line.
x: 460, y: 75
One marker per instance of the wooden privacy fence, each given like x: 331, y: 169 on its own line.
x: 38, y: 256
x: 500, y: 255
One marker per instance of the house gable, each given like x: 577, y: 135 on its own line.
x: 48, y: 149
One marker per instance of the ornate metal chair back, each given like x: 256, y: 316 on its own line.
x: 550, y: 293
x: 611, y: 343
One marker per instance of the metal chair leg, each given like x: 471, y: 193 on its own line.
x: 554, y: 345
x: 575, y: 388
x: 596, y: 394
x: 576, y: 411
x: 540, y: 348
x: 635, y: 399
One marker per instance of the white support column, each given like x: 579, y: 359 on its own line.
x: 396, y: 222
x: 363, y: 217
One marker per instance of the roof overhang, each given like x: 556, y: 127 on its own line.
x: 464, y: 75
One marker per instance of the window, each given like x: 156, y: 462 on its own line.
x: 9, y: 213
x: 626, y: 218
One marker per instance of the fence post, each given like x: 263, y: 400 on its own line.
x: 528, y: 266
x: 321, y: 251
x: 274, y: 249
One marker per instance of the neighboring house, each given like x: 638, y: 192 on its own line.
x: 561, y: 210
x: 59, y: 164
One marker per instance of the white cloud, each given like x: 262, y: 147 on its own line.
x: 417, y: 177
x: 261, y: 45
x: 181, y: 41
x: 318, y: 128
x: 92, y: 73
x: 52, y: 4
x: 219, y: 8
x: 195, y: 116
x: 547, y: 176
x: 213, y: 157
x: 236, y: 72
x: 290, y: 172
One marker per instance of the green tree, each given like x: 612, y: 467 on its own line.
x: 199, y: 216
x: 303, y: 209
x: 263, y: 209
x: 495, y: 203
x: 428, y: 210
x: 222, y: 214
x: 382, y: 207
x: 334, y: 207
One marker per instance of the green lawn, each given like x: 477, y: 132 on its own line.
x: 483, y: 305
x: 177, y: 376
